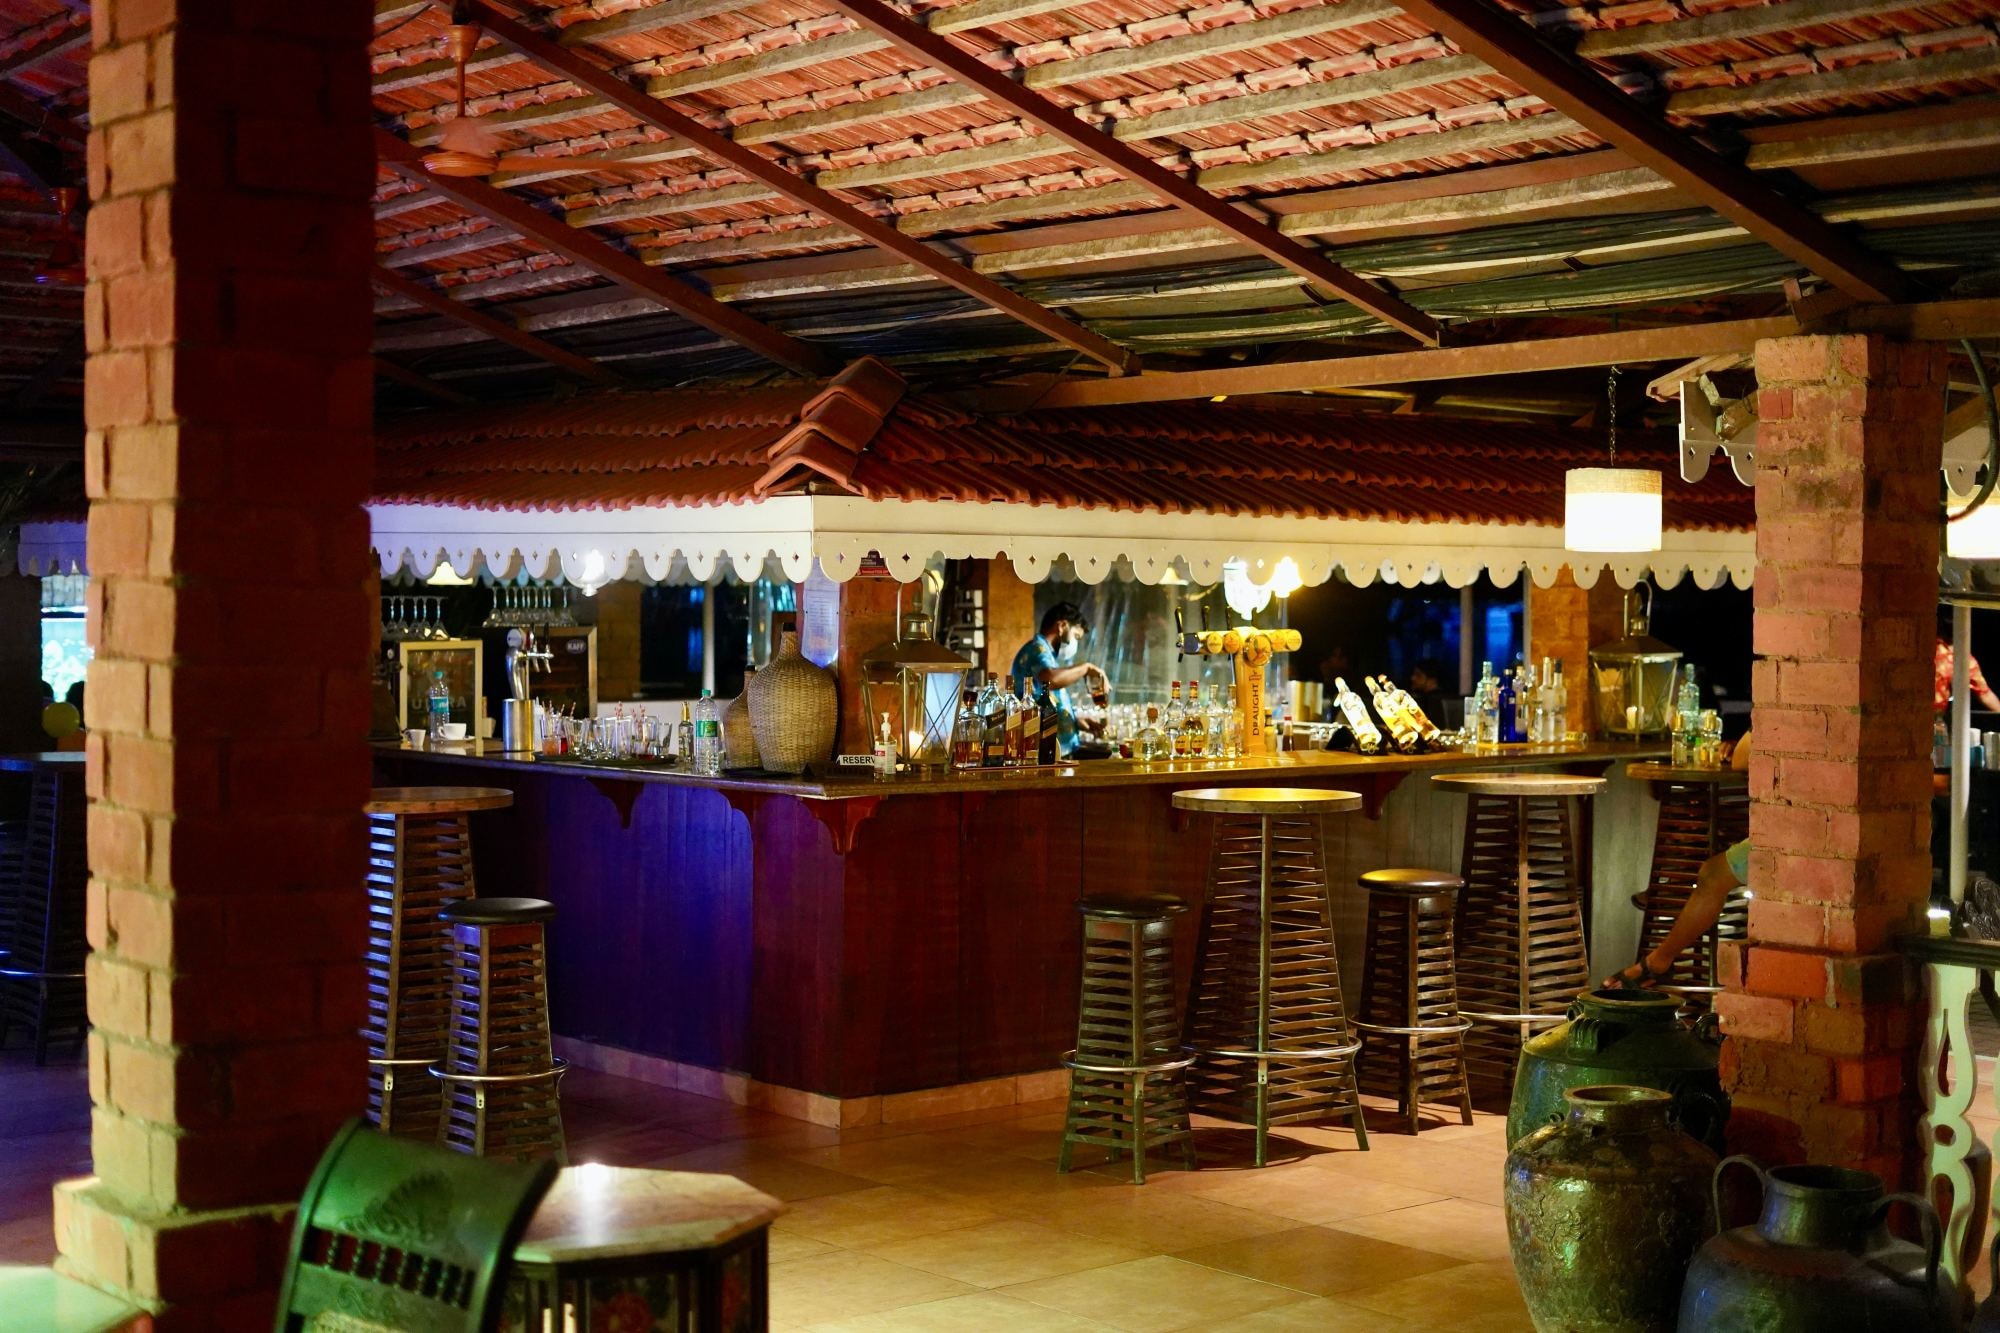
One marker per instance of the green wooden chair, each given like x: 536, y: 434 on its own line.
x: 399, y: 1236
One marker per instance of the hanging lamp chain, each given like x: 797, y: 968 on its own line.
x: 1611, y: 415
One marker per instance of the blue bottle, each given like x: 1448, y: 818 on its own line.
x: 1510, y: 722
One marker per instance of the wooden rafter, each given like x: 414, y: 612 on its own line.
x: 650, y: 110
x: 941, y: 52
x: 424, y: 384
x: 1514, y: 50
x: 492, y: 326
x: 1935, y: 321
x: 24, y: 60
x: 582, y: 248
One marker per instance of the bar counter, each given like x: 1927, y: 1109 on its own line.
x: 808, y: 942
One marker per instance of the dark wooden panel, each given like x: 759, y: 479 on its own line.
x: 795, y: 964
x: 1020, y: 951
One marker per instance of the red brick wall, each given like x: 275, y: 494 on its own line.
x: 228, y: 401
x: 1559, y: 627
x: 1820, y: 1014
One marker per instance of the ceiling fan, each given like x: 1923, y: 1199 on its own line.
x: 466, y: 147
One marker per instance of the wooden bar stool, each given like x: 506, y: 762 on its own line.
x: 1702, y: 812
x: 1128, y: 1073
x: 41, y: 973
x: 501, y: 1078
x: 1412, y: 1038
x: 419, y: 862
x: 1272, y: 1040
x: 1521, y: 951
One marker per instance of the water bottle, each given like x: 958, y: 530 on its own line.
x: 440, y: 706
x: 708, y: 736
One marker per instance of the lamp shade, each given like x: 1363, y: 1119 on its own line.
x: 1977, y: 535
x: 1611, y: 509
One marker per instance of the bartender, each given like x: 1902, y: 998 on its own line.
x: 1049, y: 660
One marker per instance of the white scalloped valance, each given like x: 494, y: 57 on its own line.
x: 51, y: 548
x: 839, y: 532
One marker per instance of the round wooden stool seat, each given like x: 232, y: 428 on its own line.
x: 436, y: 800
x: 1702, y: 811
x: 1527, y: 785
x: 1271, y: 802
x: 1145, y: 907
x: 497, y: 912
x: 1416, y: 882
x: 1648, y: 771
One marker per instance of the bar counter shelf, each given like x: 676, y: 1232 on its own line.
x: 847, y: 948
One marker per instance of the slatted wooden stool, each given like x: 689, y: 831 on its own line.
x: 41, y: 974
x: 1412, y: 1038
x: 1271, y: 1036
x: 1519, y: 928
x: 501, y: 1078
x: 1702, y: 812
x: 1128, y: 1073
x: 419, y: 862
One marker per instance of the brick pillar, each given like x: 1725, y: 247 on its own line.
x: 1821, y: 1017
x: 1559, y: 627
x: 227, y: 398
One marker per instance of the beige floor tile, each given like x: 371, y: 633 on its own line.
x: 1155, y: 1295
x: 880, y: 1215
x: 1000, y: 1254
x: 1458, y: 1172
x: 1138, y: 1216
x: 986, y: 1312
x: 1457, y: 1227
x: 785, y: 1247
x: 890, y: 1160
x: 1320, y: 1315
x: 775, y: 1174
x: 848, y: 1286
x: 1318, y: 1260
x: 1481, y: 1298
x: 1308, y: 1196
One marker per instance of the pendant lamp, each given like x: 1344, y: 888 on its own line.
x: 1973, y: 534
x: 1611, y: 510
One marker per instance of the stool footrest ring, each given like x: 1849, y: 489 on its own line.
x: 1441, y: 1029
x: 1549, y: 1019
x: 554, y: 1071
x: 1300, y: 1053
x: 390, y: 1061
x: 34, y: 974
x: 1070, y: 1062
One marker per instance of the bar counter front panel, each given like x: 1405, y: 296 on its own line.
x: 853, y: 938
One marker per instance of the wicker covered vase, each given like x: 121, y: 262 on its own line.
x: 794, y: 709
x: 739, y: 742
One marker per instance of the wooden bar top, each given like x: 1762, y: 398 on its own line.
x: 1290, y: 769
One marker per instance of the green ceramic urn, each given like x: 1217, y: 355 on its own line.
x: 1630, y: 1037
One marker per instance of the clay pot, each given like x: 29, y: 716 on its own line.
x: 739, y: 741
x: 1604, y: 1210
x: 1820, y: 1257
x: 794, y: 709
x: 1625, y: 1037
x: 1986, y: 1319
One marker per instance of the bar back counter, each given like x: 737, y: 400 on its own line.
x: 848, y: 950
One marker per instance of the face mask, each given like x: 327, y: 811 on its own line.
x: 1067, y: 653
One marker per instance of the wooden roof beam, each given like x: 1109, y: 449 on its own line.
x: 1513, y: 49
x: 492, y: 326
x: 582, y: 248
x: 424, y: 384
x: 720, y: 148
x: 1733, y: 25
x: 934, y: 49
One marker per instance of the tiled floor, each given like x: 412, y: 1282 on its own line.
x: 961, y: 1222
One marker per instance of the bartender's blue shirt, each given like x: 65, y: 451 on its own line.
x: 1034, y: 658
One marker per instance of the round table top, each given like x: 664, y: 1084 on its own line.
x: 1652, y: 771
x: 1519, y: 784
x: 1413, y: 880
x: 31, y: 760
x: 596, y: 1212
x: 1267, y: 801
x: 436, y: 800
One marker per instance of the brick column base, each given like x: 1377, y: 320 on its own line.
x: 194, y: 1271
x: 1820, y: 1014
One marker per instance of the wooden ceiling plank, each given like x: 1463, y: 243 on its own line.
x: 583, y: 248
x: 1734, y: 25
x: 438, y: 303
x: 449, y: 247
x: 764, y: 64
x: 1184, y: 194
x: 1513, y: 49
x: 1885, y: 76
x: 720, y: 148
x: 1304, y: 97
x: 635, y: 21
x: 23, y: 61
x: 424, y: 384
x: 1224, y: 39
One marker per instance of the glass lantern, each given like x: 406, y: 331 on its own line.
x: 1633, y: 678
x: 916, y: 681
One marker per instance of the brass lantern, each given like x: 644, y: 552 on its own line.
x: 916, y: 681
x: 1633, y: 678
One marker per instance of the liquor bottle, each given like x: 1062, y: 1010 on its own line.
x: 967, y: 731
x: 994, y: 723
x: 1481, y: 721
x: 1176, y: 723
x: 1232, y: 725
x: 1427, y: 730
x: 1153, y: 741
x: 1687, y: 720
x: 1197, y: 722
x: 684, y: 738
x: 1558, y: 705
x: 1010, y: 724
x: 438, y: 707
x: 708, y: 736
x: 1217, y: 723
x: 1402, y: 727
x: 885, y: 750
x: 1507, y: 711
x: 1367, y: 737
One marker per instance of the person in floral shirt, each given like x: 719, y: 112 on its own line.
x: 1982, y: 694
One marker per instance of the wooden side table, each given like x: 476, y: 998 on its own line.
x: 419, y: 863
x: 625, y: 1248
